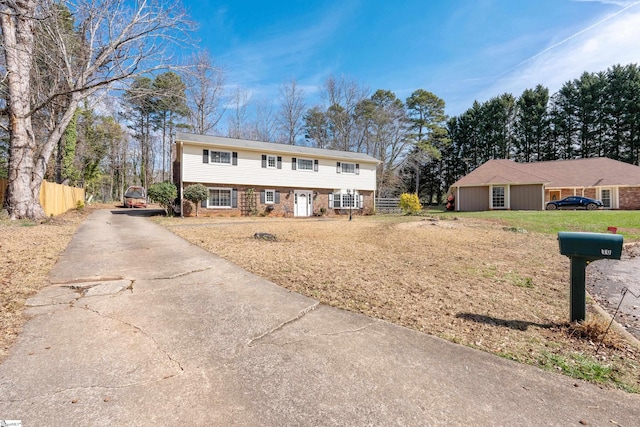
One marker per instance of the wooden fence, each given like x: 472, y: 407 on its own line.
x: 388, y: 205
x: 55, y: 198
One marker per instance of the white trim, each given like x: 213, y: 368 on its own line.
x: 305, y: 159
x: 275, y: 161
x: 506, y: 189
x: 230, y: 190
x: 273, y: 193
x: 342, y: 164
x: 211, y: 162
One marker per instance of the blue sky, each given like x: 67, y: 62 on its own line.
x: 461, y: 50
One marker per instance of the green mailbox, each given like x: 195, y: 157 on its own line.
x: 582, y: 248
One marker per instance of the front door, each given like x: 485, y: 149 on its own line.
x: 302, y: 203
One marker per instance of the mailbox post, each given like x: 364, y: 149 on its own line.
x: 582, y: 248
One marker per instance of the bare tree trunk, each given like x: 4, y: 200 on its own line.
x: 24, y: 192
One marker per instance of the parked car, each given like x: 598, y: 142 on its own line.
x: 575, y: 202
x: 135, y: 197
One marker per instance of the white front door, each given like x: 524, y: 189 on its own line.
x: 302, y: 203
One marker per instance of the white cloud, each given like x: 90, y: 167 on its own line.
x: 611, y: 40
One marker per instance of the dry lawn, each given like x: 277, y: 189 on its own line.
x: 469, y: 281
x: 29, y: 250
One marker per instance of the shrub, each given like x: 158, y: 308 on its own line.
x: 410, y: 204
x: 163, y: 193
x: 196, y: 193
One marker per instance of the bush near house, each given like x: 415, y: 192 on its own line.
x: 196, y: 193
x: 163, y: 193
x: 410, y: 203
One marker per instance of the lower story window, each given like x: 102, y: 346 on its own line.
x: 269, y: 196
x: 346, y: 200
x: 497, y: 200
x: 219, y: 198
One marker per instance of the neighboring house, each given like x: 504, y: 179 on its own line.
x: 252, y: 177
x: 504, y: 184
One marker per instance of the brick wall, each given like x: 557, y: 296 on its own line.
x: 629, y: 198
x: 284, y: 208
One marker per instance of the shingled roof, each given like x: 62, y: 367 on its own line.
x: 591, y: 172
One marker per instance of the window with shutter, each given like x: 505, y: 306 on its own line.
x: 338, y: 167
x: 357, y: 169
x: 205, y: 156
x: 264, y: 160
x: 315, y: 166
x: 234, y: 156
x: 279, y: 162
x: 269, y: 197
x: 294, y: 162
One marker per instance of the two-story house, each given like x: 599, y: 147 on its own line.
x: 253, y: 177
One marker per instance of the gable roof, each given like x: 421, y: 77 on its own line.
x: 272, y: 147
x: 591, y: 172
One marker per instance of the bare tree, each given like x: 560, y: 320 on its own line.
x: 115, y: 40
x: 341, y: 97
x: 238, y: 126
x: 291, y: 113
x: 205, y: 90
x: 264, y: 123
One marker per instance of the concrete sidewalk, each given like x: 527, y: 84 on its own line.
x: 143, y: 328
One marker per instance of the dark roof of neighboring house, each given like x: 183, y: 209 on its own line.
x: 272, y: 147
x: 591, y: 172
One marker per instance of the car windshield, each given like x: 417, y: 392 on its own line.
x: 135, y: 192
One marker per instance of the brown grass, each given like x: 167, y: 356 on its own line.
x: 29, y: 250
x: 469, y: 281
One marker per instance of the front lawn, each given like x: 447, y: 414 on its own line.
x: 493, y: 281
x: 550, y: 222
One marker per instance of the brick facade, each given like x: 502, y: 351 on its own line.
x: 629, y: 198
x: 249, y: 203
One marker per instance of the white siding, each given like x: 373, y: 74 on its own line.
x: 249, y: 171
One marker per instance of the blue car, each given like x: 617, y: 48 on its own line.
x: 575, y: 202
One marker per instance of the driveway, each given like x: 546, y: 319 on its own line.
x: 615, y: 285
x: 142, y: 328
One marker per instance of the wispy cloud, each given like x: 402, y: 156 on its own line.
x: 611, y: 40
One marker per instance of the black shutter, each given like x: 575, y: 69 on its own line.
x: 203, y: 204
x: 293, y: 163
x: 262, y: 197
x: 234, y: 160
x: 279, y: 162
x: 264, y: 160
x: 205, y: 156
x: 315, y: 166
x: 234, y: 198
x: 357, y: 169
x: 338, y: 167
x: 277, y: 198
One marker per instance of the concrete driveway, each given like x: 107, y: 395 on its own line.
x: 142, y: 328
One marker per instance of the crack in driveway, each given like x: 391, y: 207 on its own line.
x: 299, y: 316
x: 174, y: 361
x: 185, y: 273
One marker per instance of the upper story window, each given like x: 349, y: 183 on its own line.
x: 220, y: 157
x: 352, y: 168
x: 271, y: 162
x: 304, y: 164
